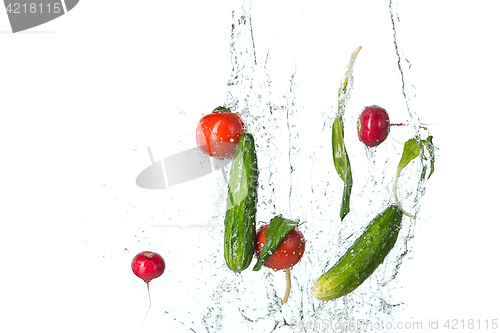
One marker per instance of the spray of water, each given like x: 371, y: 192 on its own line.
x: 300, y: 182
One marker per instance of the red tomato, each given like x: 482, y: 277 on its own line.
x: 287, y: 254
x: 218, y: 133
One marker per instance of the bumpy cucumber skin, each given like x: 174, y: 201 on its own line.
x: 362, y: 258
x: 239, y: 223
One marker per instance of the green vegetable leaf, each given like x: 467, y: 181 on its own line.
x: 410, y: 151
x: 278, y: 228
x: 413, y: 148
x: 431, y: 148
x: 340, y: 158
x: 343, y: 94
x: 342, y: 164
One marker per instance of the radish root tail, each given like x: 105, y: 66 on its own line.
x: 288, y: 286
x: 144, y: 320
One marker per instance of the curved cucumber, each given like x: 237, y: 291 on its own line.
x: 239, y: 223
x: 362, y: 258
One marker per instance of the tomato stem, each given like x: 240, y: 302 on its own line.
x: 288, y: 286
x: 221, y: 109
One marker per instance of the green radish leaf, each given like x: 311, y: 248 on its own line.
x: 431, y: 148
x: 340, y: 158
x: 423, y: 173
x: 411, y: 150
x: 346, y: 84
x: 342, y: 164
x: 278, y: 228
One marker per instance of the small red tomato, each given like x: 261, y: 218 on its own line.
x: 287, y: 254
x: 148, y: 265
x: 373, y: 126
x: 218, y: 133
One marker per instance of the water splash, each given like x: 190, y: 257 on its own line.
x: 299, y: 181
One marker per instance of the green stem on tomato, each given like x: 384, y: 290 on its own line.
x: 221, y: 109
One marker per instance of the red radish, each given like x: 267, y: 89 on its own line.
x: 373, y: 126
x: 287, y: 254
x: 148, y: 266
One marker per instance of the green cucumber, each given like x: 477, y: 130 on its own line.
x: 239, y: 223
x: 362, y: 258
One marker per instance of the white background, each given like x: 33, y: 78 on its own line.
x: 83, y: 96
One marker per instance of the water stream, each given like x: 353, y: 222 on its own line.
x: 297, y: 179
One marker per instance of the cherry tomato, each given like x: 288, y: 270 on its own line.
x: 287, y: 254
x: 218, y: 133
x: 373, y: 126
